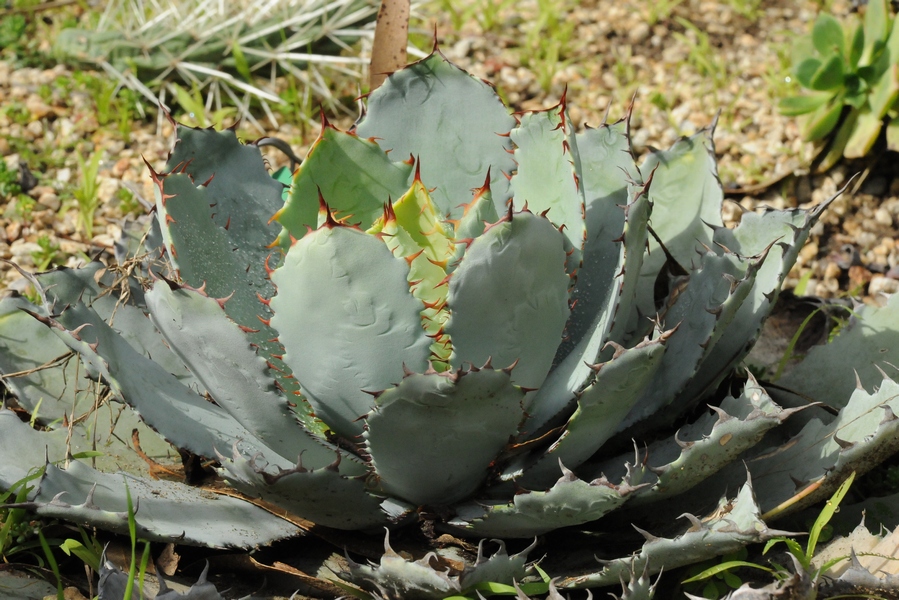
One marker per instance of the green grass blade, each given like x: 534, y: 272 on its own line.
x: 827, y: 513
x: 51, y: 560
x: 132, y: 532
x: 725, y: 566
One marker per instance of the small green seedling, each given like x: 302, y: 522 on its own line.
x: 192, y: 105
x: 88, y: 549
x: 86, y: 193
x: 15, y: 529
x: 47, y: 255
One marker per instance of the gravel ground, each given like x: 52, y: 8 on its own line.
x: 683, y: 64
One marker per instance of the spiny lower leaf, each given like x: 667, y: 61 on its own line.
x: 865, y: 433
x: 733, y: 525
x: 871, y: 338
x: 600, y: 408
x: 179, y: 414
x: 570, y: 501
x: 166, y: 511
x: 428, y: 578
x: 324, y: 496
x: 471, y: 416
x: 704, y: 447
x: 219, y: 355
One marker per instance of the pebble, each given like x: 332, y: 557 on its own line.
x: 38, y: 190
x: 120, y: 167
x: 21, y: 252
x: 35, y: 128
x: 13, y: 230
x: 881, y: 284
x: 107, y: 188
x: 37, y: 107
x: 638, y: 33
x: 808, y: 253
x: 832, y: 271
x: 50, y: 200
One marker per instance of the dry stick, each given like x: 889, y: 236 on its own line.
x: 47, y: 365
x: 388, y: 52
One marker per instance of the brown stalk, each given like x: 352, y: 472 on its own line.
x: 388, y: 52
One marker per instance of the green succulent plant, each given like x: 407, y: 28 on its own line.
x: 454, y: 315
x: 851, y: 75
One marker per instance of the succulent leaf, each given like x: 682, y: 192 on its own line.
x: 697, y: 310
x: 218, y: 353
x: 870, y: 338
x: 217, y: 227
x: 455, y: 161
x: 570, y: 501
x: 165, y: 510
x: 25, y: 346
x: 599, y: 312
x: 325, y: 495
x: 546, y: 180
x: 119, y: 301
x: 113, y: 583
x: 733, y: 525
x: 433, y: 576
x: 617, y: 212
x: 823, y: 453
x: 64, y: 395
x: 619, y: 383
x: 181, y: 415
x: 477, y: 214
x: 638, y: 587
x: 245, y: 193
x: 413, y: 230
x: 353, y: 175
x: 687, y: 198
x: 751, y: 237
x: 508, y: 298
x: 704, y: 447
x: 367, y: 324
x: 471, y: 416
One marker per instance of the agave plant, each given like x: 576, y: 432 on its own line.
x: 453, y: 315
x: 224, y: 50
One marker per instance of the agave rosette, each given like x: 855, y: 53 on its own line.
x: 451, y: 314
